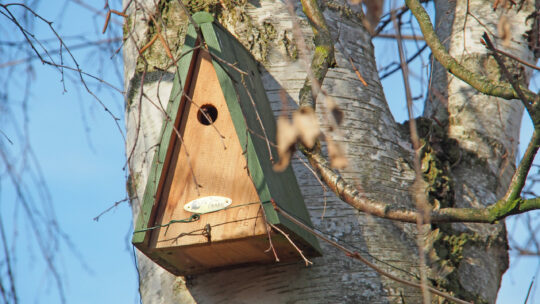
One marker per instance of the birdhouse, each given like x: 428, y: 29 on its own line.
x: 207, y: 203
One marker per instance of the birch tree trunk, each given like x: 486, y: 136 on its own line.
x: 467, y: 260
x: 486, y: 129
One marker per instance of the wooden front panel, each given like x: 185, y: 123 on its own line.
x: 209, y: 155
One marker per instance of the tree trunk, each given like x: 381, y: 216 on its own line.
x: 467, y: 260
x: 487, y: 131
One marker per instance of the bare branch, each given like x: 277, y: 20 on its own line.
x: 349, y: 194
x: 479, y: 82
x: 323, y: 56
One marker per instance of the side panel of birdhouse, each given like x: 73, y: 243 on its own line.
x: 156, y: 174
x: 257, y: 130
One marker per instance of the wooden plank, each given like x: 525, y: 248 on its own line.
x: 229, y: 78
x: 202, y: 258
x: 212, y: 156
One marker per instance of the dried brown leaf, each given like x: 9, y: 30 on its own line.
x: 286, y: 139
x: 284, y: 160
x: 496, y: 4
x: 338, y: 160
x: 505, y: 4
x: 504, y: 30
x: 307, y: 126
x: 374, y: 10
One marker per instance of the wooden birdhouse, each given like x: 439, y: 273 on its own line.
x: 208, y: 196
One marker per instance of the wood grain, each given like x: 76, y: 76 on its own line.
x: 218, y: 166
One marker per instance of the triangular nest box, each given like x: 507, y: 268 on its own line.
x: 214, y: 148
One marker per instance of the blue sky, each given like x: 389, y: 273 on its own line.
x: 81, y: 153
x: 82, y: 158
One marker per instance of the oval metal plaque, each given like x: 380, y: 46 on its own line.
x: 207, y: 204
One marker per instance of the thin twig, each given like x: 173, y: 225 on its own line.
x: 190, y: 18
x: 221, y: 137
x: 52, y: 63
x: 268, y: 230
x: 165, y: 46
x: 532, y: 66
x: 529, y: 291
x: 308, y: 262
x: 520, y: 176
x: 404, y: 37
x: 417, y: 189
x: 7, y: 137
x: 9, y: 265
x: 108, y: 17
x: 383, y: 23
x: 418, y: 53
x: 505, y: 71
x: 267, y: 140
x: 59, y: 50
x: 139, y: 115
x: 231, y: 65
x: 179, y: 136
x: 96, y: 218
x: 149, y: 44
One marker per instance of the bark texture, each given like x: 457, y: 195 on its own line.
x: 378, y: 149
x: 486, y: 130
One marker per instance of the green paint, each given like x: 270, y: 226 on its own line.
x: 202, y: 17
x: 282, y: 187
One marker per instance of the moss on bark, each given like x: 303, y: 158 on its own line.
x: 444, y: 245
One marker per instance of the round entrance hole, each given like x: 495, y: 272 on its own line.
x: 207, y: 114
